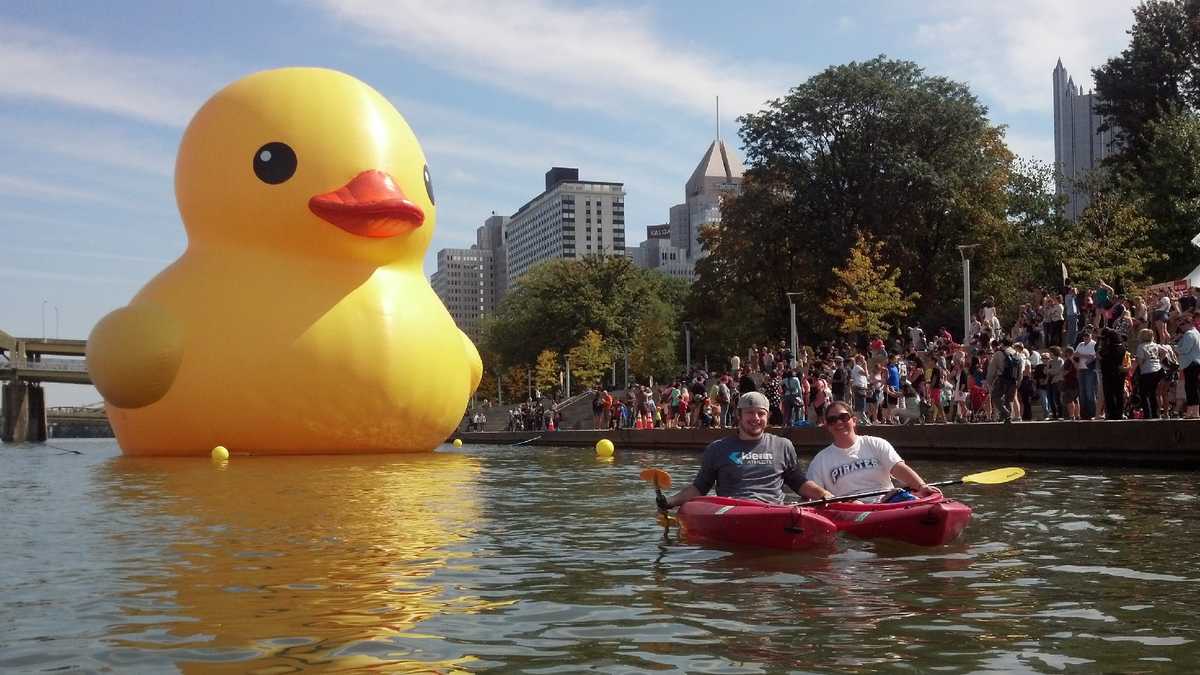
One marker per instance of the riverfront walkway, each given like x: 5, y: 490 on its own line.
x: 1157, y: 443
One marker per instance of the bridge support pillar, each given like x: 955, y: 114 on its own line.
x: 24, y: 413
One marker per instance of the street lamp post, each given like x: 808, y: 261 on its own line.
x: 964, y: 251
x: 687, y: 332
x: 44, y: 303
x: 792, y: 313
x: 56, y: 335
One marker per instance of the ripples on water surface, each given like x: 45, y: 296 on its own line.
x: 547, y: 560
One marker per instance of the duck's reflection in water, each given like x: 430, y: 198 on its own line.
x: 274, y: 564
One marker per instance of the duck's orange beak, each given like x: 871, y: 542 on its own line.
x: 371, y: 205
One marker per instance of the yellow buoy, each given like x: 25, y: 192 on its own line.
x: 220, y: 454
x: 604, y: 448
x: 458, y: 442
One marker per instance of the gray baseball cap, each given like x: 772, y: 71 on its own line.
x: 753, y: 399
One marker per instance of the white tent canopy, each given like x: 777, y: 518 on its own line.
x: 1193, y: 278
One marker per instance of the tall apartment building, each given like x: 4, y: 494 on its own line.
x: 471, y: 281
x: 1079, y: 145
x: 570, y: 219
x: 463, y: 281
x: 718, y: 175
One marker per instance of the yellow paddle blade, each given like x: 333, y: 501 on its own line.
x: 995, y: 476
x: 660, y: 478
x: 666, y: 520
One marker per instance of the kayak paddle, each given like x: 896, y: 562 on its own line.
x: 993, y: 477
x: 661, y: 479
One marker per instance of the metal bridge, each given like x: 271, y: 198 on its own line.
x: 26, y: 363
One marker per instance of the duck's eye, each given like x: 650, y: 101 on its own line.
x: 429, y: 185
x: 276, y: 162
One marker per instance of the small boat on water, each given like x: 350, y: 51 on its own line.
x: 931, y: 521
x: 754, y: 523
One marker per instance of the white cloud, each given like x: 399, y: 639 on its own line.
x: 603, y: 59
x: 26, y: 187
x: 524, y: 138
x: 42, y: 275
x: 39, y: 65
x: 93, y: 255
x: 91, y: 144
x: 1007, y: 51
x: 117, y: 195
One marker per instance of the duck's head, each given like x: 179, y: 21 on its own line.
x: 308, y: 161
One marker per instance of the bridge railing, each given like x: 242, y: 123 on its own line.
x: 56, y: 365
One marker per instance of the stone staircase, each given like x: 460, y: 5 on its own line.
x: 576, y: 413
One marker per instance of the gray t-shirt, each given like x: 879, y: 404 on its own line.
x: 750, y: 469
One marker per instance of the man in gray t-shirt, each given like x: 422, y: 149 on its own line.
x: 751, y: 465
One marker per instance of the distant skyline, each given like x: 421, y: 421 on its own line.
x: 96, y: 95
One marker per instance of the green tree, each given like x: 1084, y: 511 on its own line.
x: 876, y: 148
x: 558, y: 302
x: 487, y: 386
x: 1150, y: 94
x: 865, y: 294
x: 589, y: 360
x: 1111, y: 242
x: 515, y: 382
x: 739, y: 282
x: 1157, y: 75
x: 1167, y: 187
x: 654, y: 351
x: 491, y: 376
x: 545, y: 373
x: 1027, y: 249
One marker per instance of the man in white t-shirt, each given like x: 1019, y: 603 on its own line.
x: 854, y: 464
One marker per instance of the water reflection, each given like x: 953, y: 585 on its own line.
x: 291, y: 564
x: 543, y: 560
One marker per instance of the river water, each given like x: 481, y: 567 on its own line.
x: 547, y: 560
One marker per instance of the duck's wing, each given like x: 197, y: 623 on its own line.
x: 473, y: 360
x: 133, y: 355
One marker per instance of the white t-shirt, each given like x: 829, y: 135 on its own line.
x: 865, y: 466
x: 858, y: 376
x: 1086, y: 351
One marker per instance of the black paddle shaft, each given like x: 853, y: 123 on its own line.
x: 876, y: 493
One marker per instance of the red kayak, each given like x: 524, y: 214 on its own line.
x: 931, y: 521
x: 755, y: 523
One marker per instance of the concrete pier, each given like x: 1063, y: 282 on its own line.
x: 1136, y: 443
x: 24, y: 413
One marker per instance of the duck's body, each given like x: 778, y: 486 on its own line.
x: 330, y: 342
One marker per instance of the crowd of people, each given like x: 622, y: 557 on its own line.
x: 1068, y: 354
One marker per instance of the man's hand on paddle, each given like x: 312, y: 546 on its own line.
x: 928, y: 490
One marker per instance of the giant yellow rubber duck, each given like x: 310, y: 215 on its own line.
x: 298, y: 320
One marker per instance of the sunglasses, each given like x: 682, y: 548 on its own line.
x: 844, y: 417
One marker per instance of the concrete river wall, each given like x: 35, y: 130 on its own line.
x: 1158, y: 443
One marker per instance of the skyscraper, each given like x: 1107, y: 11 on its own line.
x: 718, y: 175
x: 1079, y: 145
x: 571, y: 218
x: 471, y: 281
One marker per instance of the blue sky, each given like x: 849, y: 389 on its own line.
x: 95, y: 96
